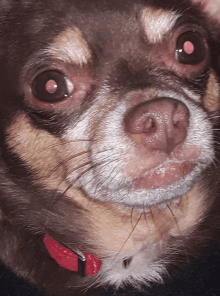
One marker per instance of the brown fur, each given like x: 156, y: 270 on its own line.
x: 65, y: 163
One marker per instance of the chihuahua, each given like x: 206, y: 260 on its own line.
x: 109, y: 125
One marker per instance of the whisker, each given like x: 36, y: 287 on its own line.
x: 58, y: 196
x: 177, y: 225
x: 65, y: 141
x: 79, y: 167
x: 67, y: 160
x: 132, y: 231
x: 71, y: 158
x: 132, y: 211
x: 212, y: 161
x: 101, y: 185
x: 153, y: 219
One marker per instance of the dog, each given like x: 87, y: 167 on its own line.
x: 109, y: 126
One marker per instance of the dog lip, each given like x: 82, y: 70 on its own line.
x: 169, y: 171
x: 165, y: 175
x: 142, y: 164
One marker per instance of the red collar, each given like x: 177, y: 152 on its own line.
x: 83, y: 263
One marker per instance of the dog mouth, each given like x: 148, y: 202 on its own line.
x: 169, y: 179
x: 164, y: 175
x: 163, y: 170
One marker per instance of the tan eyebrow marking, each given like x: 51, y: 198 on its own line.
x: 211, y: 98
x: 71, y: 47
x: 157, y: 22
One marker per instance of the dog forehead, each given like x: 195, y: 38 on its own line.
x: 71, y: 44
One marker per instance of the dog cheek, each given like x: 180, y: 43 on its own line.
x: 38, y: 149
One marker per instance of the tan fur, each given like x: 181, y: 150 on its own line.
x: 157, y: 22
x: 38, y: 149
x: 70, y: 46
x: 113, y: 223
x: 48, y: 156
x: 211, y: 99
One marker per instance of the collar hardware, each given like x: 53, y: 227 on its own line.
x: 82, y: 263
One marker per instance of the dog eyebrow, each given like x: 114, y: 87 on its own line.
x: 70, y: 47
x: 157, y: 22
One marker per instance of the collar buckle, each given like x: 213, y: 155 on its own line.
x: 81, y: 263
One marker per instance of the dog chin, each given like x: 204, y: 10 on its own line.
x: 129, y: 194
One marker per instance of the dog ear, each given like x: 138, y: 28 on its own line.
x: 209, y: 7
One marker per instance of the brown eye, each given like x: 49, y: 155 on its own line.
x: 51, y: 87
x: 190, y: 48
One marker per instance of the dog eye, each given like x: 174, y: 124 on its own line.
x: 190, y: 48
x: 51, y: 87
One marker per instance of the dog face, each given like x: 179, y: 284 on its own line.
x: 109, y: 113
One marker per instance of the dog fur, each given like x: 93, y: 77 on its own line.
x: 81, y: 168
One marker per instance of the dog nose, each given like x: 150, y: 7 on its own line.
x: 160, y: 124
